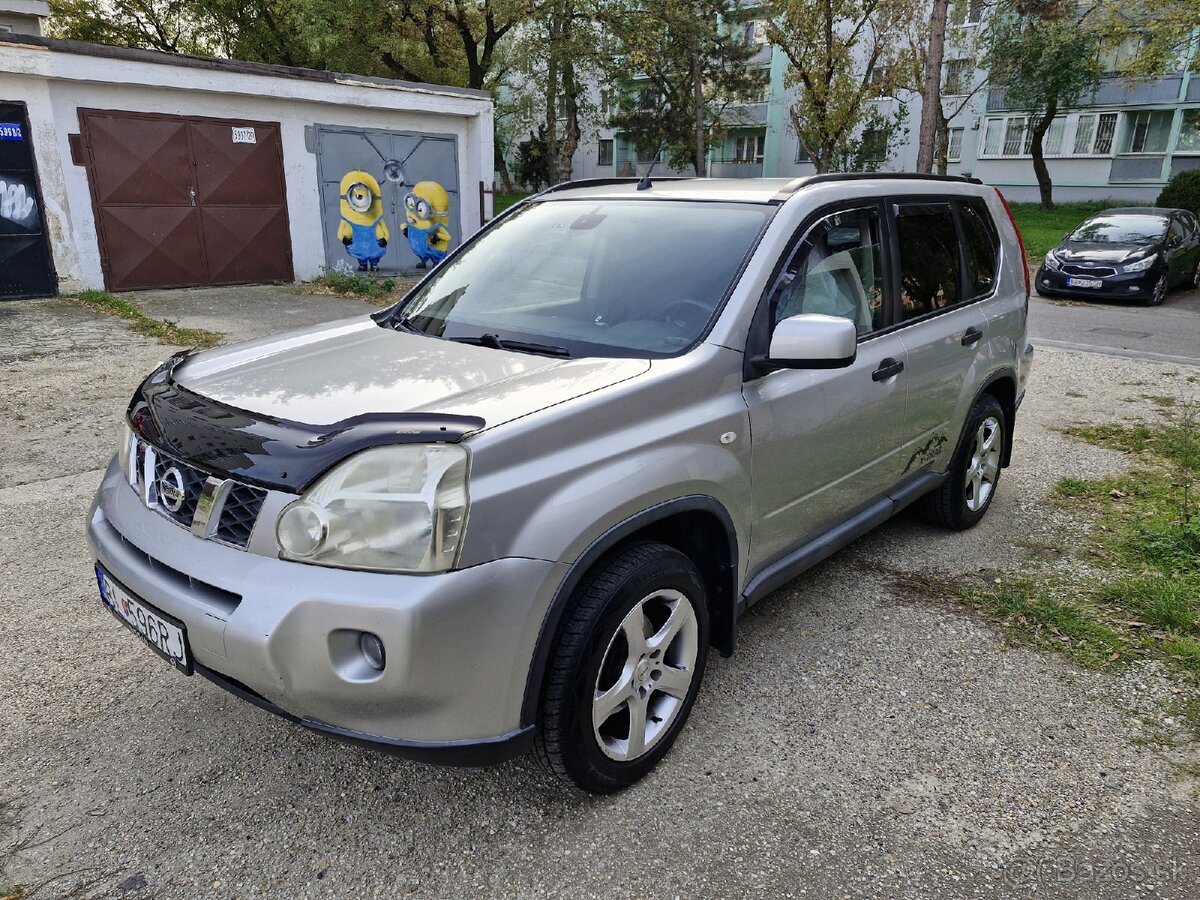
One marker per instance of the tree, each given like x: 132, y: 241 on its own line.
x: 173, y: 26
x: 843, y: 56
x: 685, y: 64
x: 931, y: 95
x: 1161, y: 30
x: 1045, y: 58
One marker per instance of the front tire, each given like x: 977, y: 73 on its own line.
x: 1159, y: 295
x: 974, y: 474
x: 625, y: 673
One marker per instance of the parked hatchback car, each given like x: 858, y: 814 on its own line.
x: 1134, y: 253
x: 516, y: 509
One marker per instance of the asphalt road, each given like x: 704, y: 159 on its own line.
x: 1169, y: 333
x: 863, y: 741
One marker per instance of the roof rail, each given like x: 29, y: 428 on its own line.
x: 600, y: 182
x: 826, y: 177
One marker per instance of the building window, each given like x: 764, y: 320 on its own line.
x: 604, y: 157
x: 1094, y: 134
x: 958, y: 76
x: 608, y: 106
x: 1014, y: 136
x: 1052, y: 144
x: 954, y: 145
x: 748, y: 148
x: 1189, y: 133
x: 1147, y: 132
x: 991, y: 137
x: 969, y: 13
x: 1116, y: 56
x: 802, y: 154
x: 754, y: 32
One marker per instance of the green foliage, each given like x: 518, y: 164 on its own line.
x: 532, y: 166
x: 166, y: 332
x: 353, y: 285
x: 1182, y: 192
x: 1169, y: 603
x: 1074, y: 487
x: 1154, y: 34
x: 824, y: 41
x: 664, y: 51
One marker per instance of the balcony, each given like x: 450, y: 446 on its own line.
x: 1136, y: 168
x: 747, y: 114
x: 736, y: 168
x: 1116, y: 91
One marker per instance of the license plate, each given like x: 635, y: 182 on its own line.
x: 165, y: 635
x: 1085, y: 282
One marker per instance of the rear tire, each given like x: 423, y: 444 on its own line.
x: 625, y: 672
x: 974, y: 474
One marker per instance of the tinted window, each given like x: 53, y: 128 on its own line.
x: 1177, y: 232
x: 979, y: 240
x: 837, y: 271
x: 595, y: 277
x: 1104, y: 229
x: 928, y: 258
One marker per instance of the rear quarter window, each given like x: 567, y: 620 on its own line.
x: 980, y: 242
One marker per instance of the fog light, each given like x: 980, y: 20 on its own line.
x: 1133, y: 288
x: 372, y: 650
x: 1045, y: 282
x: 302, y: 529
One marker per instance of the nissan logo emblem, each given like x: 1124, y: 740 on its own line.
x: 170, y: 489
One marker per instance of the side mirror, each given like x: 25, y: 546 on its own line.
x: 813, y: 341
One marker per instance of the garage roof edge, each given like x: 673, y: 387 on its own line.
x: 212, y: 63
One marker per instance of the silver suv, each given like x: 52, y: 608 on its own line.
x: 516, y: 509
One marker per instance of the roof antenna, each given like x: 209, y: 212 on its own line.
x: 645, y: 184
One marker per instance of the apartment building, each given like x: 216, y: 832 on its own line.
x: 1123, y: 141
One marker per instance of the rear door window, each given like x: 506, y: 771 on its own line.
x: 980, y: 242
x: 929, y: 258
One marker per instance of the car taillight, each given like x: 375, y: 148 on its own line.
x: 1020, y: 240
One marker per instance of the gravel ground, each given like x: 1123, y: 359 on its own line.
x: 858, y: 745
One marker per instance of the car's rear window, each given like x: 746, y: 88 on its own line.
x: 1121, y: 230
x: 594, y: 278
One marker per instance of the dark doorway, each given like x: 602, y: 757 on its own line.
x: 183, y: 202
x: 26, y: 268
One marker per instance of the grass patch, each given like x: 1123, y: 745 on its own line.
x: 166, y: 331
x: 1147, y: 604
x: 1043, y: 230
x: 353, y: 285
x: 502, y: 200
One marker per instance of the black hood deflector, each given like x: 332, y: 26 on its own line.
x: 273, y: 453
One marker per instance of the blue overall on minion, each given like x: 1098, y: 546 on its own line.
x: 362, y: 230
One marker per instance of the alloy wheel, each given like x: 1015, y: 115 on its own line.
x: 984, y: 466
x: 1160, y: 292
x: 645, y: 675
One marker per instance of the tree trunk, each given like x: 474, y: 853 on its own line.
x: 550, y: 100
x: 698, y: 108
x: 931, y: 97
x: 502, y: 168
x: 942, y: 142
x: 1045, y: 187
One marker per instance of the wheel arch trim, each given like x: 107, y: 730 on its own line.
x: 723, y: 607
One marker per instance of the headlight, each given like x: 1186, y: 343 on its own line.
x: 1142, y: 264
x: 124, y: 451
x: 1052, y: 262
x: 391, y: 509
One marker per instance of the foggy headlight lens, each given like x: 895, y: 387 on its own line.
x: 390, y: 509
x: 1141, y: 265
x: 1052, y: 262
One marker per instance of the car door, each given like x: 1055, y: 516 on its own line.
x: 825, y: 440
x: 946, y: 262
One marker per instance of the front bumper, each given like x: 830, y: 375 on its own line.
x: 459, y: 644
x: 1132, y: 286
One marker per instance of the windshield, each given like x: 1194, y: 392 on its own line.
x: 590, y: 278
x: 1121, y: 230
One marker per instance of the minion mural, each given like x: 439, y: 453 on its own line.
x: 390, y: 198
x: 362, y: 229
x: 427, y: 215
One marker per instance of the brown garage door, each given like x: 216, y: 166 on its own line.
x: 186, y: 201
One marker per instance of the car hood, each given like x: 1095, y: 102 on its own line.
x: 333, y: 372
x: 1079, y: 251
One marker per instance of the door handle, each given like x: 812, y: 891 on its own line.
x: 887, y: 369
x: 971, y: 336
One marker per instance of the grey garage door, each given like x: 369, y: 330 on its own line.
x: 400, y: 163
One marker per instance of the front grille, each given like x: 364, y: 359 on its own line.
x: 175, y: 489
x: 193, y: 484
x: 1090, y: 271
x: 239, y: 514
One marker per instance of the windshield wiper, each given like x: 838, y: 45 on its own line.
x: 491, y: 340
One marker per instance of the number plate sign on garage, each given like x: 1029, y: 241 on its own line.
x: 181, y: 202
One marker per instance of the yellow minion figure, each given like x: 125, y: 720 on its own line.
x: 427, y: 220
x: 362, y: 229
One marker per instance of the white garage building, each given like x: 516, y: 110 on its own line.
x: 127, y: 169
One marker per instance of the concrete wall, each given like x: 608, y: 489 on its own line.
x: 56, y: 84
